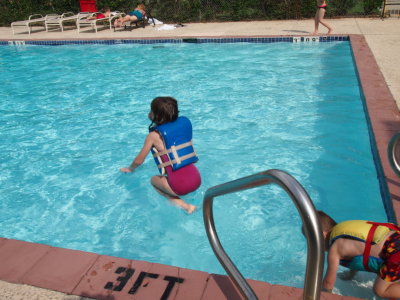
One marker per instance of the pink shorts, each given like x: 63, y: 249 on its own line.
x: 184, y: 180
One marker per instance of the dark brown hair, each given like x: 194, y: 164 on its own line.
x: 164, y: 109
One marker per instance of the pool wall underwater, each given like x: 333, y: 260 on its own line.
x: 75, y: 275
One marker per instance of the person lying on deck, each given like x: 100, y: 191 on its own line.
x: 136, y: 15
x: 106, y: 14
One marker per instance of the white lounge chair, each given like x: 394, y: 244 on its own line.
x: 33, y: 19
x: 83, y: 21
x: 391, y: 8
x: 59, y: 20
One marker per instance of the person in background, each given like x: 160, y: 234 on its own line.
x: 106, y: 14
x: 319, y: 16
x: 137, y: 14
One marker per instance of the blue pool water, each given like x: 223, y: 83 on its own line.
x: 71, y: 116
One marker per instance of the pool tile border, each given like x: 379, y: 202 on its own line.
x: 202, y: 40
x: 384, y: 120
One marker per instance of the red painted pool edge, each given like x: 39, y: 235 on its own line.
x: 105, y: 277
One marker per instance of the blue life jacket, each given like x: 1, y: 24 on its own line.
x: 177, y: 138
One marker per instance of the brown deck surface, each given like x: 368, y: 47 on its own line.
x: 103, y: 277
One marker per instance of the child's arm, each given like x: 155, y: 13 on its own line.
x: 139, y: 159
x: 333, y: 265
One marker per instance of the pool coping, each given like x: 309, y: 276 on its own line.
x: 105, y: 277
x: 384, y: 120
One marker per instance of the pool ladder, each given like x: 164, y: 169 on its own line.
x: 394, y: 162
x: 311, y: 226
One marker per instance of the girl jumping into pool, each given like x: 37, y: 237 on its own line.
x: 170, y: 141
x: 319, y: 16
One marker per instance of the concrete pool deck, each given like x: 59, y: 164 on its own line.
x: 61, y: 272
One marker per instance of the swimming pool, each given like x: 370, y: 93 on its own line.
x: 72, y: 118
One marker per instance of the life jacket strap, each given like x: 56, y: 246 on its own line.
x: 370, y: 237
x: 173, y: 149
x: 175, y: 161
x: 158, y: 160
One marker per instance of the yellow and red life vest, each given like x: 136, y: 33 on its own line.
x: 370, y: 233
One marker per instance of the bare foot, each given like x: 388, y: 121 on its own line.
x: 314, y: 33
x: 330, y: 31
x: 191, y: 208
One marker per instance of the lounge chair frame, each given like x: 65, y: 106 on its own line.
x: 33, y: 19
x: 83, y: 22
x: 388, y: 10
x: 64, y: 18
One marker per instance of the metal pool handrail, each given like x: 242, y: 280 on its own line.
x: 311, y: 225
x: 394, y: 163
